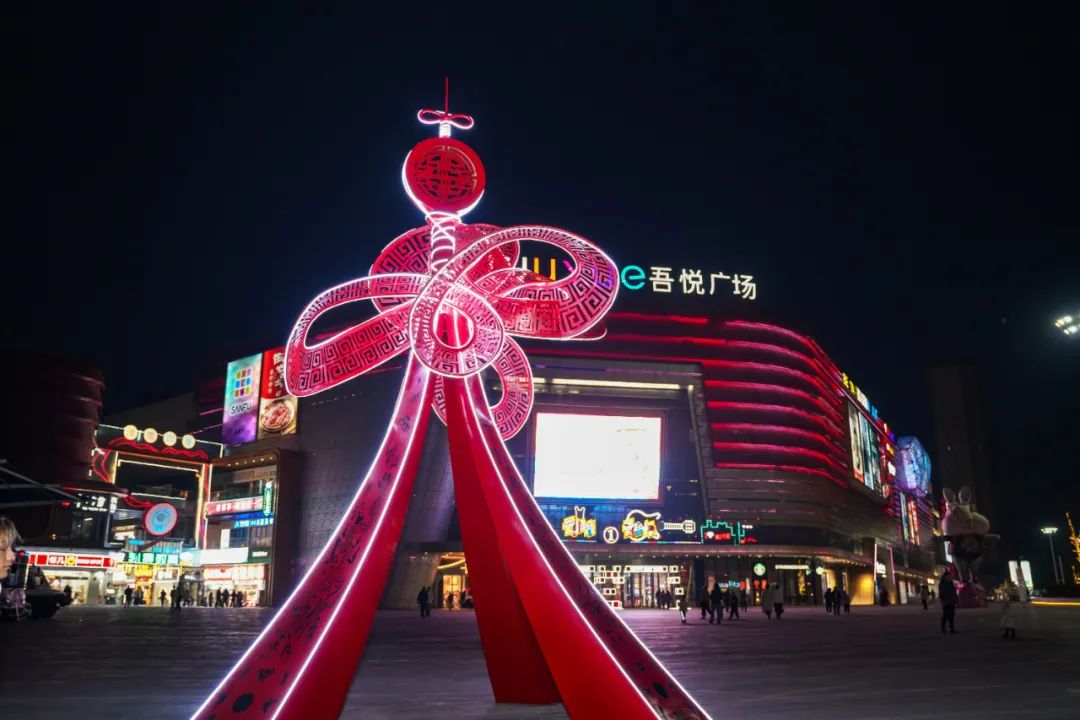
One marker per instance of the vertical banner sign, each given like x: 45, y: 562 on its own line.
x: 277, y: 408
x: 241, y: 400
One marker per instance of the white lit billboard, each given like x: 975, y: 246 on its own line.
x: 597, y: 456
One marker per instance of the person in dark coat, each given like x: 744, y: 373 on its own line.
x: 682, y: 607
x: 703, y: 602
x: 716, y: 604
x: 744, y: 599
x: 423, y: 599
x: 830, y: 598
x: 949, y: 598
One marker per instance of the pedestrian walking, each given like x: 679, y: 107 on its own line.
x: 845, y: 601
x: 766, y: 601
x: 733, y: 605
x: 128, y: 592
x: 682, y: 607
x: 949, y: 598
x: 423, y: 599
x: 778, y: 601
x: 924, y: 593
x: 716, y: 603
x: 744, y: 599
x: 830, y: 599
x: 703, y: 602
x: 161, y: 597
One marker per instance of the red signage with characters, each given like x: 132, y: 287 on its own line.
x: 239, y: 505
x: 63, y: 560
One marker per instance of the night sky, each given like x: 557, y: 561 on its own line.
x: 901, y: 182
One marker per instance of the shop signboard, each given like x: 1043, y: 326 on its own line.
x: 726, y: 532
x: 660, y: 279
x: 241, y: 411
x: 253, y: 522
x: 66, y: 560
x: 615, y: 525
x: 153, y: 558
x: 236, y: 505
x: 234, y: 573
x: 223, y: 556
x: 277, y: 408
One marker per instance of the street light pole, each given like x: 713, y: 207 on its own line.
x: 1049, y: 533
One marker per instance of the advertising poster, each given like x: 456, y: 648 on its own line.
x: 241, y: 413
x: 277, y: 408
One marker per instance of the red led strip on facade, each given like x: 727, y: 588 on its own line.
x: 685, y: 319
x: 777, y: 449
x: 767, y: 387
x: 780, y: 468
x: 781, y: 429
x: 767, y: 407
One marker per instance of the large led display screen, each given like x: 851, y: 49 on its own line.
x: 597, y: 456
x: 865, y: 449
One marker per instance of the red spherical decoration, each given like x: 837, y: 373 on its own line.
x: 444, y: 174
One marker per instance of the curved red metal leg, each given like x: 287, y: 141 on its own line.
x: 516, y: 666
x: 325, y: 622
x: 599, y: 665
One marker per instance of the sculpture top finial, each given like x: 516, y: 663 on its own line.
x: 443, y: 175
x: 444, y: 118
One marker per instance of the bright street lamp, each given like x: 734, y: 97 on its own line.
x: 1049, y: 533
x: 1068, y: 324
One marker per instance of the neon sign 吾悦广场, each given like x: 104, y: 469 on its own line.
x: 662, y: 279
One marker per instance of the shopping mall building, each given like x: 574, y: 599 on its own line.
x: 675, y: 452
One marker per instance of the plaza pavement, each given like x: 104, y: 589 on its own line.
x: 153, y: 664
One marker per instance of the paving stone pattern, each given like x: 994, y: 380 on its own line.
x: 153, y: 664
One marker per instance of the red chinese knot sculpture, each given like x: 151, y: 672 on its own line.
x: 451, y: 295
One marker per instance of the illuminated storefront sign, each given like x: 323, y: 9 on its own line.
x: 241, y: 412
x: 576, y: 525
x: 160, y: 519
x: 254, y: 522
x: 237, y: 505
x: 725, y: 532
x: 64, y: 560
x: 640, y: 526
x: 223, y: 556
x: 96, y: 503
x: 234, y: 573
x: 663, y: 279
x: 580, y: 524
x: 152, y: 558
x: 268, y: 498
x: 790, y: 567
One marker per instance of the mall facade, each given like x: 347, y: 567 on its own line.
x: 676, y: 452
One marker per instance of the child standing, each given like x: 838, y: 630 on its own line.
x: 1008, y: 618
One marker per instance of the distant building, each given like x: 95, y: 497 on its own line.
x: 962, y: 454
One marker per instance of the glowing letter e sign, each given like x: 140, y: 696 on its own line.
x: 451, y: 297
